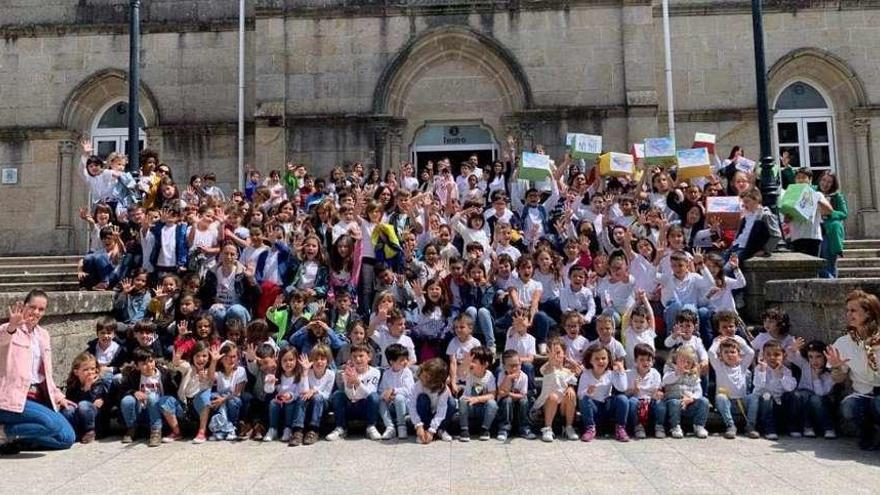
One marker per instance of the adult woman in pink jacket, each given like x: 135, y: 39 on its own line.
x: 29, y: 399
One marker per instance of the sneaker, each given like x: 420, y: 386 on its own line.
x: 310, y: 438
x: 753, y: 434
x: 589, y: 434
x: 128, y: 437
x: 830, y: 435
x: 546, y: 434
x: 730, y: 432
x: 285, y: 435
x: 88, y: 437
x: 796, y: 434
x: 402, y: 433
x: 336, y: 434
x: 173, y: 437
x: 388, y: 434
x: 217, y: 436
x: 700, y: 432
x: 570, y: 434
x: 676, y: 432
x: 659, y: 431
x: 200, y: 438
x: 620, y: 434
x: 296, y: 439
x: 528, y: 434
x: 464, y: 436
x: 373, y: 433
x: 270, y: 435
x: 155, y: 437
x: 640, y: 432
x: 231, y: 436
x: 771, y: 436
x: 258, y: 432
x: 502, y: 436
x: 485, y: 435
x: 809, y: 433
x: 444, y: 435
x: 245, y: 430
x: 542, y: 349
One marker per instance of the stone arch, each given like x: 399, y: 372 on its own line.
x: 82, y: 105
x: 830, y: 74
x: 451, y: 43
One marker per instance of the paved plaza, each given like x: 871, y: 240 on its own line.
x: 359, y: 466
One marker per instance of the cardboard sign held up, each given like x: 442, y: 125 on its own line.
x: 534, y: 167
x: 693, y: 163
x: 584, y: 146
x: 660, y: 152
x: 727, y: 209
x: 616, y: 165
x: 704, y: 140
x: 799, y: 202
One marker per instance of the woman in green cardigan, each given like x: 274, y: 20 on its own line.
x: 833, y: 232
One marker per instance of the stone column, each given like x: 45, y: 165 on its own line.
x: 395, y: 145
x: 381, y: 132
x: 67, y: 169
x: 867, y: 193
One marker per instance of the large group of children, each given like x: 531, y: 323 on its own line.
x: 438, y: 304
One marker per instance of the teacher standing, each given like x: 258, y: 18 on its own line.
x: 29, y: 399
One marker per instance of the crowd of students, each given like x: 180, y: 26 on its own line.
x: 438, y: 301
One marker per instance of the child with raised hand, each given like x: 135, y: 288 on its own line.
x: 575, y: 343
x: 730, y: 357
x: 109, y: 352
x: 683, y: 335
x: 89, y: 391
x: 720, y: 295
x: 358, y: 395
x: 594, y: 394
x: 771, y: 395
x: 316, y: 396
x: 576, y: 296
x: 684, y: 394
x: 512, y: 387
x: 645, y: 394
x: 459, y: 349
x: 395, y: 391
x: 310, y: 271
x: 525, y: 293
x: 519, y: 340
x: 478, y: 400
x: 229, y: 383
x: 776, y: 326
x: 605, y: 329
x: 432, y: 402
x: 147, y: 397
x: 131, y: 303
x: 394, y: 334
x: 477, y: 301
x: 197, y: 377
x: 547, y: 274
x: 682, y: 289
x: 288, y: 385
x: 812, y: 401
x: 557, y: 393
x: 432, y: 324
x: 639, y: 327
x: 616, y: 291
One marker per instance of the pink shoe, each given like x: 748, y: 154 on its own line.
x: 589, y: 434
x: 620, y: 434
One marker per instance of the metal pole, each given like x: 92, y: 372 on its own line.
x: 134, y: 82
x: 670, y: 103
x: 769, y: 182
x: 241, y: 95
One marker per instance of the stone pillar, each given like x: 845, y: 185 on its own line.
x: 640, y: 74
x: 381, y: 148
x: 395, y: 145
x: 65, y: 179
x: 869, y: 218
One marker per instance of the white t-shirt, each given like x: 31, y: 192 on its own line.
x: 524, y: 345
x: 105, y: 356
x: 168, y: 248
x: 519, y: 385
x: 478, y: 385
x: 575, y: 348
x: 634, y: 338
x: 309, y: 275
x: 648, y: 384
x: 525, y: 290
x: 224, y: 384
x: 621, y: 295
x: 458, y: 350
x: 151, y: 384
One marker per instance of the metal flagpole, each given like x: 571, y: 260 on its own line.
x: 241, y: 95
x: 134, y: 82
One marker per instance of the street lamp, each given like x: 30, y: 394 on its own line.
x: 134, y: 82
x: 769, y: 181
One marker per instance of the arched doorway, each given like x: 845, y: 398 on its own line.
x: 804, y: 127
x: 110, y: 130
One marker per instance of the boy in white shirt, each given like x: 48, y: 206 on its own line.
x: 773, y: 384
x: 683, y: 289
x: 645, y: 393
x: 616, y: 291
x: 359, y: 395
x: 395, y: 391
x: 605, y: 329
x: 513, y: 397
x: 394, y: 335
x: 519, y: 340
x: 730, y: 357
x: 459, y: 349
x: 683, y: 335
x: 575, y: 343
x: 576, y: 296
x: 639, y: 328
x: 478, y: 399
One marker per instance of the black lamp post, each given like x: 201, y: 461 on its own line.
x: 134, y: 82
x: 769, y: 181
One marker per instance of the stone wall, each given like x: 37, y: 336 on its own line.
x: 70, y: 321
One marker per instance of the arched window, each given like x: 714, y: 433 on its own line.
x: 110, y: 131
x: 804, y: 128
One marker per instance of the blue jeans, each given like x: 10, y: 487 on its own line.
x: 593, y: 412
x: 288, y: 409
x: 811, y: 410
x: 423, y: 407
x: 698, y: 411
x: 483, y: 319
x: 551, y: 308
x: 201, y: 400
x: 761, y: 413
x: 222, y: 312
x: 395, y: 408
x: 150, y: 412
x: 234, y: 406
x: 862, y: 412
x: 726, y: 409
x: 38, y: 425
x: 508, y: 408
x: 830, y: 268
x: 83, y: 417
x: 313, y: 407
x: 484, y: 412
x: 656, y: 412
x: 705, y: 314
x: 367, y: 408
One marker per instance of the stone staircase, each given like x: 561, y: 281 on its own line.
x: 861, y: 259
x: 51, y: 273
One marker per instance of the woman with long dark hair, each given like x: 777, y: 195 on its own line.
x: 833, y: 228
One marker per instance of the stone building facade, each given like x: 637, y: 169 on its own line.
x: 381, y: 81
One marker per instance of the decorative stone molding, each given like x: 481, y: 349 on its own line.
x: 641, y: 98
x: 82, y: 105
x: 860, y: 126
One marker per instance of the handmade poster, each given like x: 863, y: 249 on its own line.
x: 799, y: 202
x: 693, y: 163
x: 727, y: 209
x: 745, y: 165
x: 660, y: 152
x: 534, y: 166
x: 584, y: 146
x: 638, y: 151
x: 616, y: 164
x: 704, y: 140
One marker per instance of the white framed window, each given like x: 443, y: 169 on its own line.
x: 110, y: 130
x: 803, y: 126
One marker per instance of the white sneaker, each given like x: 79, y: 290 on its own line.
x: 231, y: 437
x: 373, y: 433
x: 659, y: 431
x: 771, y: 436
x: 640, y: 432
x: 270, y: 435
x: 218, y: 436
x: 336, y: 434
x: 676, y: 432
x: 542, y: 349
x: 830, y: 435
x: 700, y: 432
x: 546, y: 434
x: 570, y: 434
x: 809, y: 433
x: 502, y: 436
x: 796, y: 434
x: 388, y: 434
x: 444, y: 435
x: 402, y: 434
x: 285, y: 436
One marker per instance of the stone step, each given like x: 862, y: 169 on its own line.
x: 48, y: 287
x: 858, y: 262
x: 37, y: 269
x: 861, y: 253
x: 50, y: 277
x: 38, y: 260
x: 858, y: 272
x: 861, y: 244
